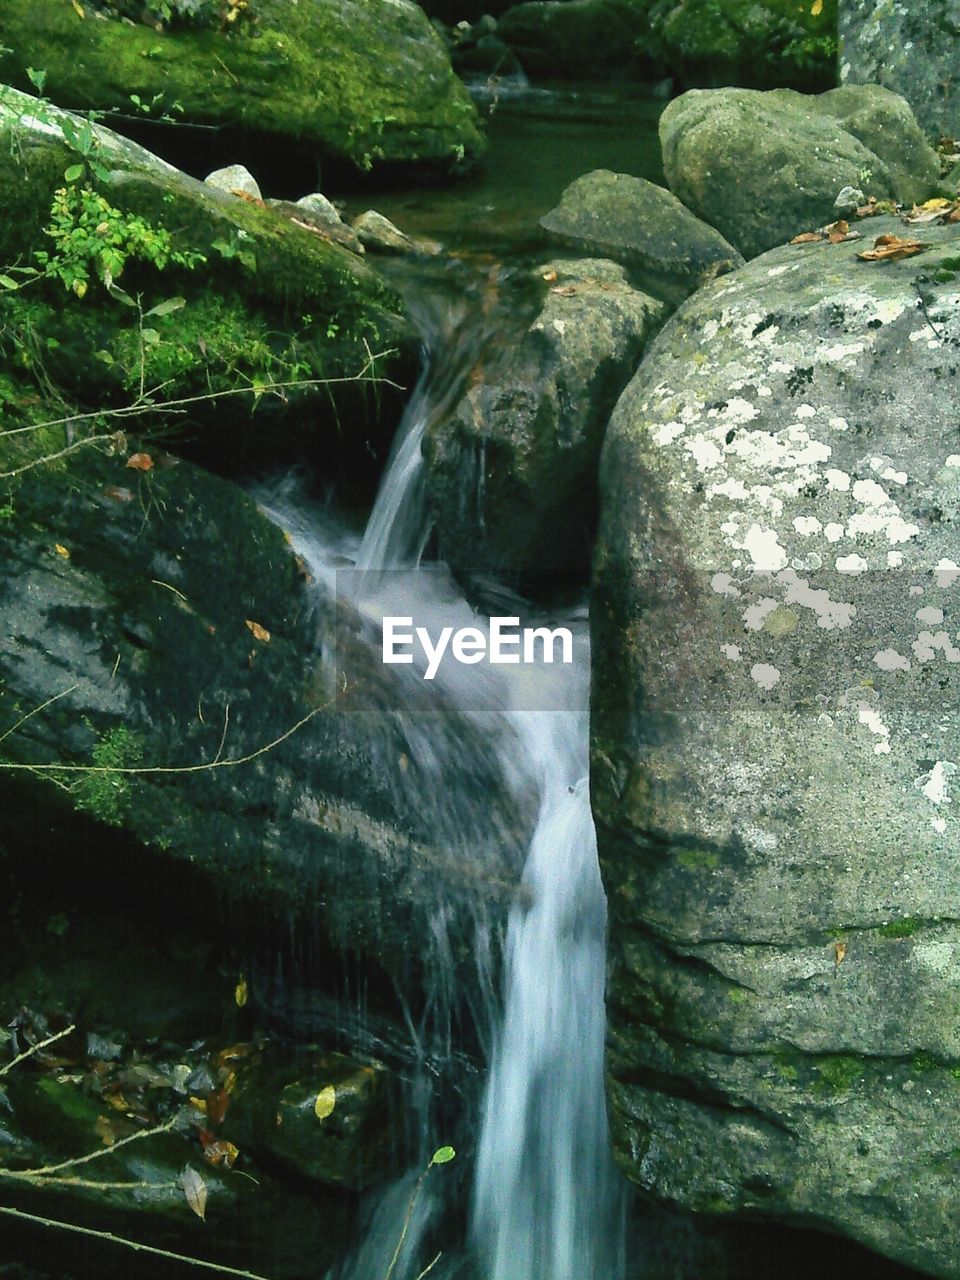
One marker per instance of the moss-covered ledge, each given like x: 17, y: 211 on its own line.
x: 364, y: 80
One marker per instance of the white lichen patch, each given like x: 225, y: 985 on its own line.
x: 930, y: 616
x: 756, y: 615
x: 807, y: 526
x: 724, y: 585
x: 870, y: 717
x: 851, y: 564
x: 763, y: 674
x: 831, y: 614
x: 929, y: 643
x: 946, y: 573
x: 891, y: 660
x: 837, y: 480
x: 731, y: 651
x: 935, y: 785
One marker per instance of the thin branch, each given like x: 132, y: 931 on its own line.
x: 90, y: 1183
x: 130, y: 1244
x: 31, y: 1174
x: 36, y: 711
x: 145, y: 406
x: 51, y: 457
x: 229, y: 763
x: 35, y: 1048
x: 430, y: 1266
x: 411, y: 1204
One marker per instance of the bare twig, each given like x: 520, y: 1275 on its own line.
x: 110, y: 1238
x: 35, y: 1048
x: 429, y: 1267
x: 49, y: 1169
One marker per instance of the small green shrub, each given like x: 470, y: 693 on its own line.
x: 106, y: 795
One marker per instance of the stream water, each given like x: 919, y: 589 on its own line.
x: 545, y: 1204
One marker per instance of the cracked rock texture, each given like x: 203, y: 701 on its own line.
x: 776, y: 748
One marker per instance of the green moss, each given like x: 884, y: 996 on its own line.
x: 738, y: 995
x: 839, y: 1071
x: 698, y: 859
x: 106, y: 794
x: 367, y: 80
x: 905, y: 927
x: 924, y: 1062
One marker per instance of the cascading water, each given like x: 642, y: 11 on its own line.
x: 546, y: 1203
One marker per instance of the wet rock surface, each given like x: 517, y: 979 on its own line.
x: 511, y: 472
x: 763, y: 167
x: 643, y: 226
x: 775, y: 739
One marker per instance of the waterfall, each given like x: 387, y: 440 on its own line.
x: 546, y: 1203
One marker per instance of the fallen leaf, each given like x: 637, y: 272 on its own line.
x: 930, y: 211
x: 890, y: 248
x: 140, y: 462
x: 104, y: 1131
x: 221, y: 1152
x: 61, y: 550
x: 117, y: 493
x: 549, y: 276
x: 78, y: 9
x: 195, y: 1190
x: 240, y: 991
x: 816, y: 8
x: 325, y: 1103
x: 807, y: 237
x: 259, y: 633
x: 839, y: 954
x: 217, y: 1103
x: 837, y: 231
x: 564, y: 290
x: 199, y: 1103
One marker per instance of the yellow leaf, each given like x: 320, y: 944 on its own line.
x: 839, y: 953
x: 199, y: 1103
x: 78, y: 9
x: 61, y: 550
x: 816, y: 8
x: 326, y: 1101
x: 259, y: 633
x: 240, y: 990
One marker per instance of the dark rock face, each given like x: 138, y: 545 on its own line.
x: 110, y: 602
x: 511, y: 472
x: 643, y: 226
x: 763, y: 167
x: 912, y: 49
x: 775, y: 748
x: 365, y: 80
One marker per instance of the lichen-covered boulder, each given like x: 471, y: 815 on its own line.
x: 763, y: 167
x: 614, y: 215
x: 511, y: 472
x: 759, y: 43
x: 364, y: 80
x: 911, y: 49
x: 776, y: 748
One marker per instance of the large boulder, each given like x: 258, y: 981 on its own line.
x: 248, y: 296
x: 366, y: 80
x: 776, y: 723
x: 172, y: 625
x: 909, y: 48
x: 762, y: 167
x: 511, y: 472
x: 760, y: 43
x: 614, y: 215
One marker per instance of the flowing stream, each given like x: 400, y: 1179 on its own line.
x: 545, y: 1201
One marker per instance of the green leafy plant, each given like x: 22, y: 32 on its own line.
x: 92, y: 238
x: 104, y: 793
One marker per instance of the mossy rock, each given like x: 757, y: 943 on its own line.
x: 270, y: 301
x: 368, y: 81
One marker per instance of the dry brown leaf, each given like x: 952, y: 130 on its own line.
x: 839, y: 953
x: 549, y: 276
x: 118, y: 493
x: 104, y: 1131
x: 61, y: 550
x: 807, y: 237
x: 140, y: 462
x: 929, y: 211
x: 564, y: 290
x: 221, y: 1152
x: 837, y: 231
x: 259, y: 633
x: 890, y: 248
